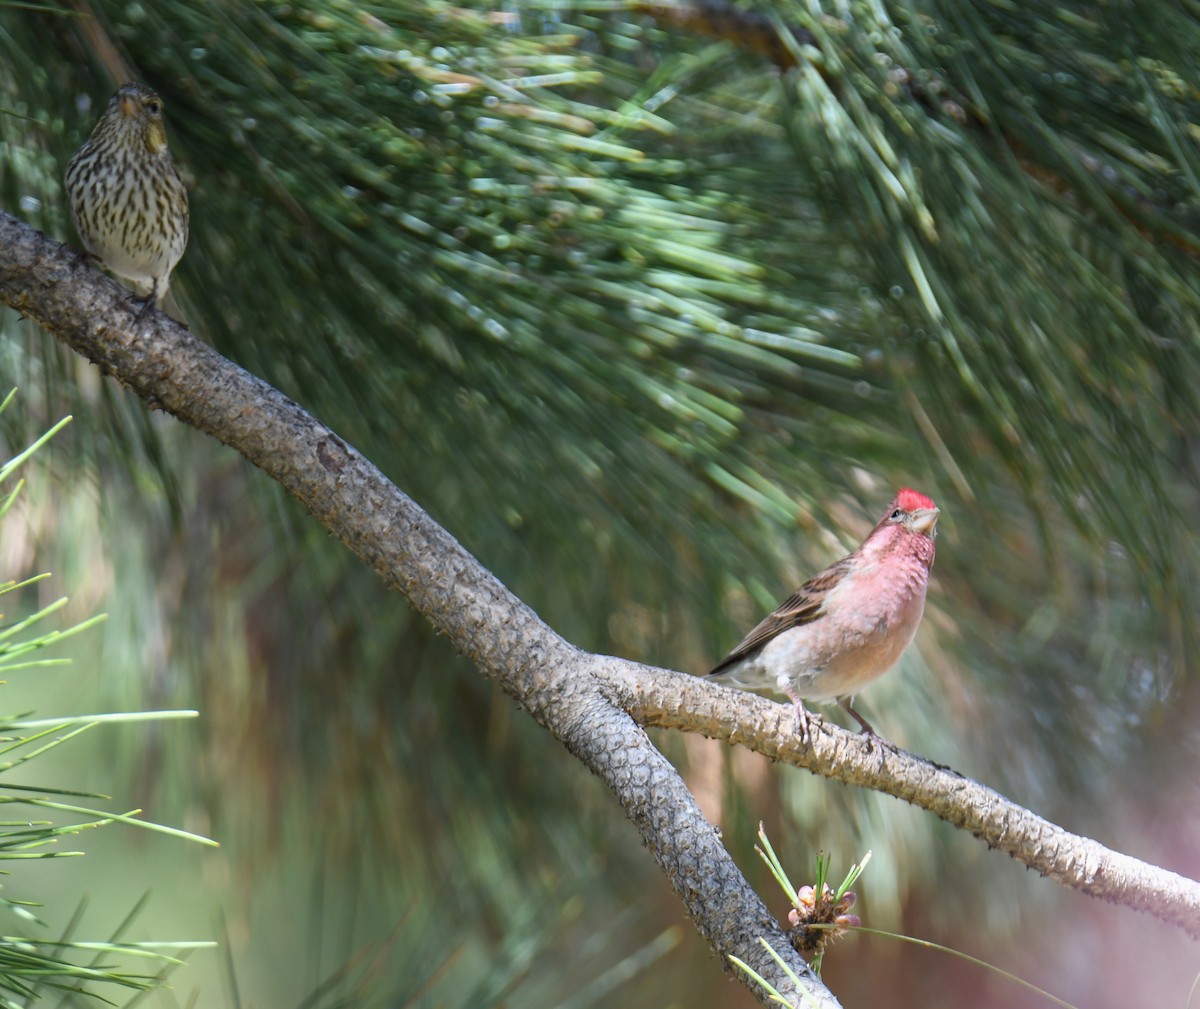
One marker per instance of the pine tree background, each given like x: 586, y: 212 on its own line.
x: 654, y: 324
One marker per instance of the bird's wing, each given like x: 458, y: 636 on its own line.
x: 803, y: 606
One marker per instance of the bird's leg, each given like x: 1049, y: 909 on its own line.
x: 149, y: 302
x: 84, y: 258
x: 866, y: 726
x: 802, y: 716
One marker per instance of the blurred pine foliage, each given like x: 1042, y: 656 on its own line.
x: 638, y: 315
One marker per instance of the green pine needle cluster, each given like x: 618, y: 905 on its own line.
x: 655, y: 326
x: 30, y: 967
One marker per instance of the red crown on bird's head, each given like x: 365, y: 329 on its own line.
x: 910, y: 500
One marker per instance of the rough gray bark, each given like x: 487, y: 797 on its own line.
x: 662, y: 698
x: 584, y: 700
x: 555, y: 682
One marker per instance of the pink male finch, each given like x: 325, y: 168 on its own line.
x: 129, y: 204
x: 848, y: 625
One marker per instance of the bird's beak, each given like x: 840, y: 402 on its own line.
x: 129, y: 105
x: 923, y: 520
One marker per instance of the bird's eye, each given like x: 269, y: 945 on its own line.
x: 154, y: 108
x: 895, y: 516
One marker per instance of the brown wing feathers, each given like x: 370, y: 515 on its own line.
x: 801, y: 607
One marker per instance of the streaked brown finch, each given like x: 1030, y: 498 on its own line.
x: 129, y: 204
x: 848, y: 625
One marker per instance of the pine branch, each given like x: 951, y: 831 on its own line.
x: 672, y: 700
x: 555, y: 682
x: 584, y: 700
